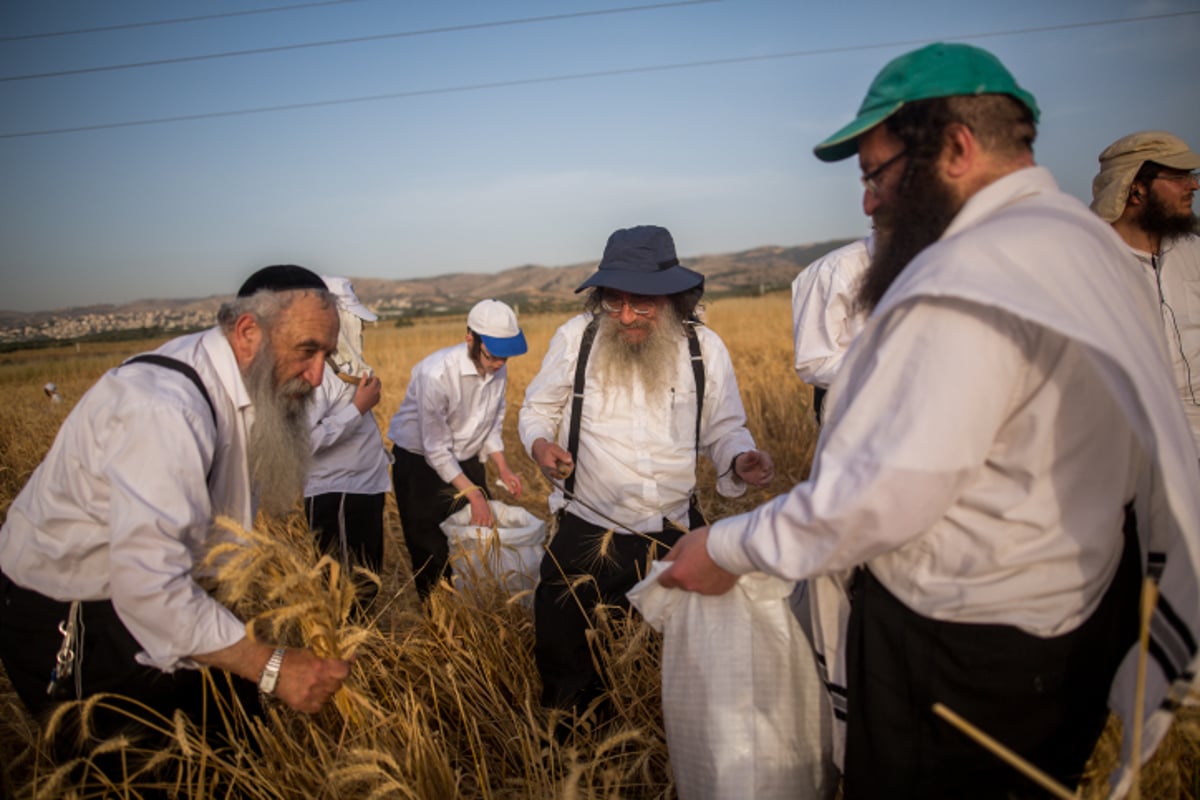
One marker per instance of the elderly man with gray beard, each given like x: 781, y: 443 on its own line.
x: 618, y: 433
x: 105, y: 536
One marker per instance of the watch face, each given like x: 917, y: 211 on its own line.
x: 270, y: 673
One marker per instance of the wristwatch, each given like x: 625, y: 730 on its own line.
x: 270, y: 673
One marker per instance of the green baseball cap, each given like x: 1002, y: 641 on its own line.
x: 936, y: 70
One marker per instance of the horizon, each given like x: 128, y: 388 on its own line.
x: 165, y: 159
x: 835, y: 242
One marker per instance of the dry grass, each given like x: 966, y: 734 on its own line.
x: 441, y: 703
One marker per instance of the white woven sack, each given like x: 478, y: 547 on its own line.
x: 744, y: 708
x: 512, y: 553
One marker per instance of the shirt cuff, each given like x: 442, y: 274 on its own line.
x: 725, y: 544
x: 218, y: 632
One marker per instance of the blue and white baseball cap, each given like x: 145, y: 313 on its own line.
x: 496, y: 325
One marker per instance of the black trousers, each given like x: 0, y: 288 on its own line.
x: 1044, y: 698
x: 29, y: 643
x: 818, y: 402
x: 563, y: 605
x: 424, y: 501
x: 350, y: 528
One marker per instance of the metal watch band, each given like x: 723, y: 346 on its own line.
x: 270, y: 673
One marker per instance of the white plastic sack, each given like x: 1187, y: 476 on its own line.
x: 512, y: 553
x: 745, y: 711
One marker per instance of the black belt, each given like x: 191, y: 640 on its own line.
x: 47, y: 609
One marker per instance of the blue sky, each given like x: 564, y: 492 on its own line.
x: 448, y: 176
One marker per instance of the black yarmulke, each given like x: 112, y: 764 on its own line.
x: 281, y: 278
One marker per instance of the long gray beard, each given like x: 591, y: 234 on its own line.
x: 619, y: 366
x: 280, y: 447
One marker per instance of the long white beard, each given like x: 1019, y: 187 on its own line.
x: 280, y: 446
x: 653, y: 363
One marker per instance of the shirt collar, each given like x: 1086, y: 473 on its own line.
x: 467, y: 367
x: 224, y: 362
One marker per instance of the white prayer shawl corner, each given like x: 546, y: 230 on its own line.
x: 1025, y: 256
x: 743, y: 705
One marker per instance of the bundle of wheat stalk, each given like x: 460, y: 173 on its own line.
x: 441, y: 702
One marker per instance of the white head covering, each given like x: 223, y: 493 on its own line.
x: 349, y: 359
x: 1121, y: 160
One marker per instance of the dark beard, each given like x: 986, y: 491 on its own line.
x: 1157, y: 221
x: 917, y: 217
x: 280, y: 446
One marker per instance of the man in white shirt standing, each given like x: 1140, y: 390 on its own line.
x: 825, y: 318
x: 997, y: 450
x: 658, y: 390
x: 105, y: 535
x: 1145, y: 188
x: 448, y: 426
x: 347, y: 485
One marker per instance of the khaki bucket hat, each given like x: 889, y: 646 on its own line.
x: 1121, y: 160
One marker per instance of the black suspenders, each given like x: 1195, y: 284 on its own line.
x: 183, y: 369
x: 585, y: 350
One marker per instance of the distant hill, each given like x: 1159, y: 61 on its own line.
x: 530, y: 286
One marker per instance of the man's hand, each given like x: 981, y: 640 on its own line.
x: 511, y: 481
x: 692, y: 569
x: 481, y: 509
x: 754, y: 467
x: 367, y: 395
x: 306, y: 682
x: 555, y: 462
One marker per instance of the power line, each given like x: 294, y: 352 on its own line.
x: 583, y: 76
x: 353, y: 40
x: 176, y: 21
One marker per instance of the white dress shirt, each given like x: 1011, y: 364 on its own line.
x: 637, y: 457
x: 1175, y: 281
x: 961, y: 460
x: 824, y: 319
x: 348, y: 452
x: 120, y: 508
x: 450, y: 412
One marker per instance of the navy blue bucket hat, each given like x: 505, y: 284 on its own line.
x: 642, y: 260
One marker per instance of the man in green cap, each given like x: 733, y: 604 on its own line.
x: 993, y: 450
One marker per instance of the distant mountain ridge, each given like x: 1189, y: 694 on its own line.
x: 530, y: 286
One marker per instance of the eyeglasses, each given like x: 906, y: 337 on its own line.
x: 483, y: 351
x: 638, y: 304
x: 1180, y: 177
x: 870, y: 180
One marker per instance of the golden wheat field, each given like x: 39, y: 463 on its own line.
x: 441, y: 703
